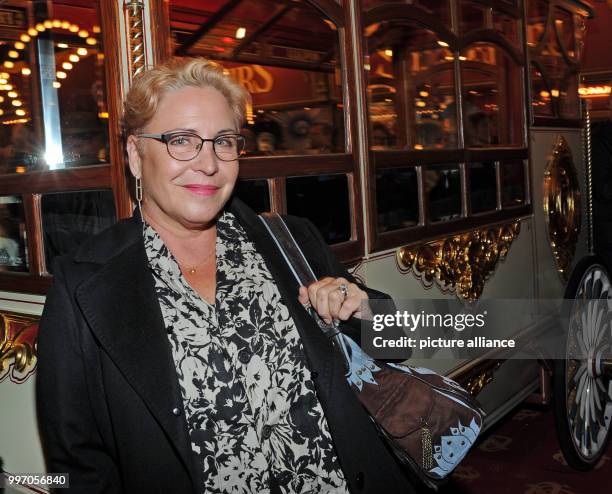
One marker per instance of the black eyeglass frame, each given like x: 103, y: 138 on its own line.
x: 165, y: 138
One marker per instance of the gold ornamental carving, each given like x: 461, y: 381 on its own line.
x: 477, y: 383
x: 460, y: 264
x: 562, y: 209
x: 18, y: 336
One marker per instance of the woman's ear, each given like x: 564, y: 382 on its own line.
x: 134, y: 158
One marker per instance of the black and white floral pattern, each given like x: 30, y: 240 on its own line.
x: 249, y: 399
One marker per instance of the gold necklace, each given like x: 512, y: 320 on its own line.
x: 193, y: 269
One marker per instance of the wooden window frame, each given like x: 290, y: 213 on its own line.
x: 462, y: 156
x: 30, y: 186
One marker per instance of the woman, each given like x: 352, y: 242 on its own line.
x: 175, y: 354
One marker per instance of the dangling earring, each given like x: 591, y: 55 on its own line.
x: 139, y: 193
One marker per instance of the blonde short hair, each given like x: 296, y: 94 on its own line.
x: 149, y: 87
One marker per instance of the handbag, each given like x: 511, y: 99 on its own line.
x: 427, y: 420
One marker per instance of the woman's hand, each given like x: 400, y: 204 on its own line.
x: 334, y: 298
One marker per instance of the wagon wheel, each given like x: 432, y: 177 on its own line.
x: 583, y: 380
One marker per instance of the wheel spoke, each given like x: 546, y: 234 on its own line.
x: 589, y: 397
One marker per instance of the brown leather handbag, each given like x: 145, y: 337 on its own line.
x: 428, y: 420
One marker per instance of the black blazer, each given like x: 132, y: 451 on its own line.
x: 108, y: 400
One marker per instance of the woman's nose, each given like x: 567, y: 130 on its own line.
x: 206, y: 161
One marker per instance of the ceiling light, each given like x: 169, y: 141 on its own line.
x: 240, y: 32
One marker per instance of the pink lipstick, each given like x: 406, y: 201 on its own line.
x: 202, y: 190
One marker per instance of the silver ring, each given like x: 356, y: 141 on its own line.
x: 344, y: 290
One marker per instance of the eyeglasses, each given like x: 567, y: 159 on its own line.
x: 185, y: 146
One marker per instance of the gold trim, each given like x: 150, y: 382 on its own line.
x: 18, y: 335
x: 562, y: 209
x: 477, y: 383
x: 134, y: 12
x: 462, y: 263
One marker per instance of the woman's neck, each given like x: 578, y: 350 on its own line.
x: 188, y: 245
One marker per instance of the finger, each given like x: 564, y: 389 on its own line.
x: 353, y: 303
x: 336, y: 299
x: 303, y: 295
x: 319, y: 297
x: 313, y: 288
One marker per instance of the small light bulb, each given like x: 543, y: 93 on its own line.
x: 60, y: 74
x: 74, y: 58
x: 19, y: 45
x: 67, y: 65
x: 20, y: 112
x: 82, y: 51
x: 57, y: 84
x: 16, y: 102
x: 91, y: 41
x: 13, y: 54
x: 25, y: 38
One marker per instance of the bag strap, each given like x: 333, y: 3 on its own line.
x: 288, y: 247
x: 295, y: 259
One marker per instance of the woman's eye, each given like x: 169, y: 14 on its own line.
x: 224, y: 142
x: 178, y: 141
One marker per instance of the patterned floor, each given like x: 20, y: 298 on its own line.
x: 521, y: 455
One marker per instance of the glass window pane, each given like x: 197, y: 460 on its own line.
x: 438, y: 8
x: 537, y: 14
x: 483, y: 187
x: 411, y: 91
x: 513, y: 183
x: 541, y: 100
x: 255, y: 193
x: 70, y: 218
x: 13, y: 253
x: 397, y: 199
x: 287, y: 55
x: 52, y: 88
x: 564, y: 24
x: 560, y: 42
x: 331, y: 216
x: 443, y: 186
x: 474, y: 16
x: 509, y: 27
x: 493, y: 90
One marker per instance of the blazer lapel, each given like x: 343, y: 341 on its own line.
x: 132, y: 332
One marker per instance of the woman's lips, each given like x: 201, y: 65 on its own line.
x: 202, y: 190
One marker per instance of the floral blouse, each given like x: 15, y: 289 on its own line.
x: 248, y: 396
